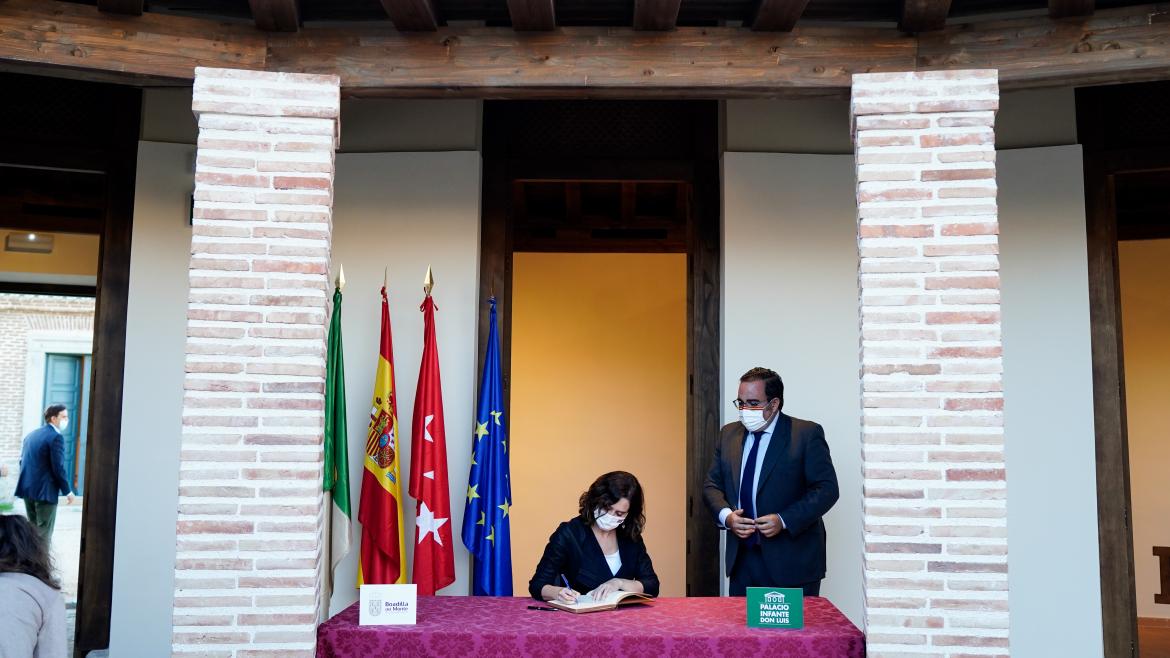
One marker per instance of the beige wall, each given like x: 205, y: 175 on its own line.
x: 367, y: 124
x: 1042, y: 117
x: 1049, y: 445
x: 389, y: 213
x: 1145, y: 319
x: 152, y: 404
x: 598, y: 384
x: 74, y: 260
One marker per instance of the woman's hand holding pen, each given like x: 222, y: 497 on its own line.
x: 567, y: 595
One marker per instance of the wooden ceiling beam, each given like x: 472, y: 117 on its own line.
x: 923, y: 15
x: 412, y: 15
x: 66, y: 39
x: 1066, y: 8
x: 276, y: 15
x: 127, y: 7
x: 656, y: 14
x: 49, y: 37
x: 532, y: 15
x: 778, y: 15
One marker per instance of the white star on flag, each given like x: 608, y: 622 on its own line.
x: 428, y: 524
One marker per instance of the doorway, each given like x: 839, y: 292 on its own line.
x: 565, y: 182
x: 68, y: 152
x: 1127, y: 172
x: 67, y: 383
x: 599, y: 374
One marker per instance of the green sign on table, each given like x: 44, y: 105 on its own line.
x: 770, y: 607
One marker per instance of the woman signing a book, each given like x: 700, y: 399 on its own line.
x: 600, y: 551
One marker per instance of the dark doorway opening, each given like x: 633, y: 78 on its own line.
x: 68, y: 154
x: 1127, y: 174
x: 616, y: 176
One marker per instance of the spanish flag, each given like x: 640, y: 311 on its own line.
x: 380, y: 511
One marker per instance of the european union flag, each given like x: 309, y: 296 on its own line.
x: 486, y: 527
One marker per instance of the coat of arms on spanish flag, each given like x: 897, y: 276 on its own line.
x: 380, y: 511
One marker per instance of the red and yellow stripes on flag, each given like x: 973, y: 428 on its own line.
x: 383, y: 552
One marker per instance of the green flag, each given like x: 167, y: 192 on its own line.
x: 336, y: 444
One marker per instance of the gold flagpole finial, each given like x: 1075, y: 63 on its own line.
x: 341, y: 278
x: 429, y: 282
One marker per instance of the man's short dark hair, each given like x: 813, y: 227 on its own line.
x: 52, y: 411
x: 773, y: 385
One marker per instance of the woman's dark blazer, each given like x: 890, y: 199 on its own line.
x: 573, y: 550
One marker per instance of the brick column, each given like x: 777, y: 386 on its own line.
x: 934, y: 484
x: 248, y: 566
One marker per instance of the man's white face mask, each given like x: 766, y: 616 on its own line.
x: 753, y: 419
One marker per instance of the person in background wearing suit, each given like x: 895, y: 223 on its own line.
x: 601, y: 550
x: 43, y: 479
x: 770, y: 483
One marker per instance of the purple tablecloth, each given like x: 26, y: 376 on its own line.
x: 505, y: 628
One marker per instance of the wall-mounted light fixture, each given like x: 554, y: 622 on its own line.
x: 29, y: 242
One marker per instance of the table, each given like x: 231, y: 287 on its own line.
x: 505, y: 628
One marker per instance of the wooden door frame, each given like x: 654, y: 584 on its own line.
x: 703, y: 297
x: 1102, y: 165
x: 95, y: 576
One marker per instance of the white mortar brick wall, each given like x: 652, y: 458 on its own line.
x: 931, y: 356
x: 249, y: 552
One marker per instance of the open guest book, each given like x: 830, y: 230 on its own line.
x: 586, y: 603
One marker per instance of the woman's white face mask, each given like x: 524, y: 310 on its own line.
x: 606, y: 521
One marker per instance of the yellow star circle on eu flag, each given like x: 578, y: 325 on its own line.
x: 491, y: 536
x: 472, y: 493
x: 482, y: 518
x: 506, y: 506
x: 481, y: 429
x: 496, y: 416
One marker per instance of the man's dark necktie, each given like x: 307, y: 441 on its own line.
x: 747, y: 487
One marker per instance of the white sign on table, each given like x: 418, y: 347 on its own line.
x: 388, y: 605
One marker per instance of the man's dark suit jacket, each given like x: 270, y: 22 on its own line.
x: 797, y: 481
x: 574, y: 551
x: 42, y: 466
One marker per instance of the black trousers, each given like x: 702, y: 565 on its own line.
x: 749, y: 570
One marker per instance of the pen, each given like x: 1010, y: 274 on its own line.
x: 566, y: 582
x: 540, y: 607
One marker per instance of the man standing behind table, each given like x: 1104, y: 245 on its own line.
x: 770, y: 483
x: 42, y: 471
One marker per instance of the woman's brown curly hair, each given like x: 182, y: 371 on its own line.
x: 23, y: 551
x: 608, y: 490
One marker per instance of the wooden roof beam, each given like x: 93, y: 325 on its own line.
x: 412, y: 15
x: 532, y: 15
x: 70, y: 40
x: 276, y: 15
x: 923, y: 15
x: 778, y: 15
x: 1066, y: 8
x: 656, y: 14
x: 127, y: 7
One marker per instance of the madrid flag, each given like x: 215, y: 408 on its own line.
x: 434, y: 552
x: 383, y: 550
